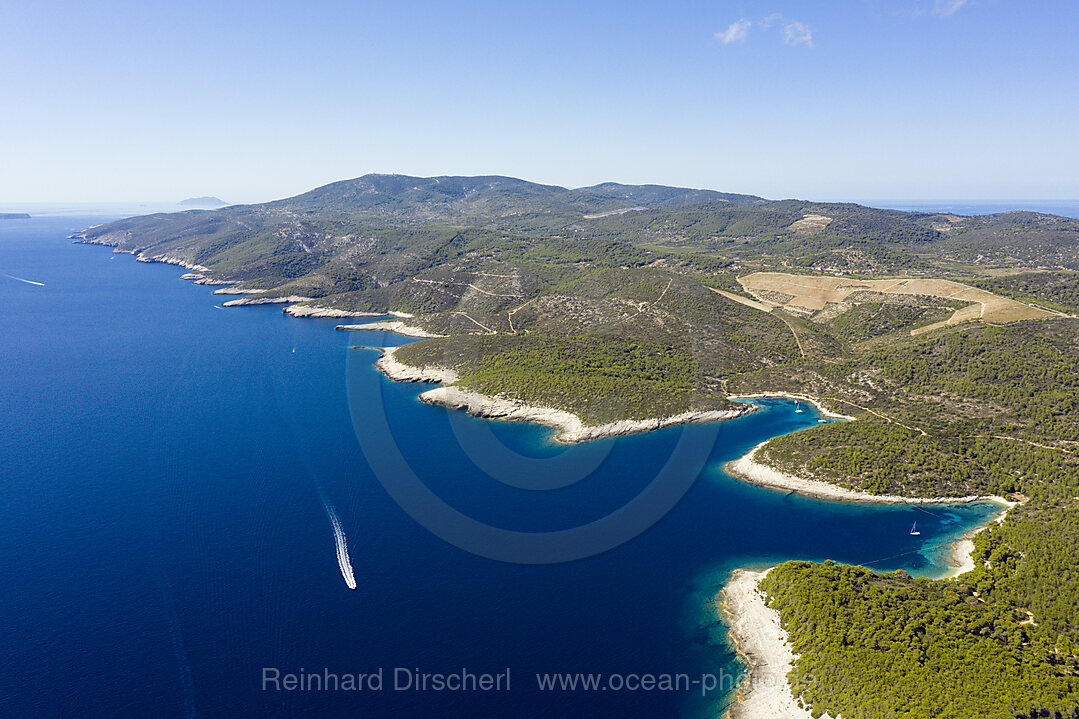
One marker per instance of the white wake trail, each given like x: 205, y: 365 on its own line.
x: 20, y: 279
x: 342, y: 546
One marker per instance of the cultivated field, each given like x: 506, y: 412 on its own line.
x: 811, y: 224
x: 811, y: 293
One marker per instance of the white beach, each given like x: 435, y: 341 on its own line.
x: 762, y: 643
x: 962, y: 550
x: 749, y: 469
x: 265, y: 300
x: 317, y: 311
x: 391, y: 326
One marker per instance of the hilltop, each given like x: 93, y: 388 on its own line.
x: 353, y: 243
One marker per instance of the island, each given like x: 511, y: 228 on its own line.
x: 14, y: 216
x: 950, y: 343
x: 205, y: 203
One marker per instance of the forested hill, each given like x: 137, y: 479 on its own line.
x: 377, y: 230
x: 486, y: 198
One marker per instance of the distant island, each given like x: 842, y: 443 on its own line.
x: 14, y: 216
x: 951, y: 340
x: 204, y: 203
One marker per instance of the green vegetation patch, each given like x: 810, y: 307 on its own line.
x: 891, y: 646
x: 1028, y: 563
x: 874, y: 319
x: 1054, y: 290
x: 999, y: 407
x: 872, y: 455
x: 1031, y: 369
x: 601, y: 379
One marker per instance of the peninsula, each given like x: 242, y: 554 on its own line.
x: 456, y: 394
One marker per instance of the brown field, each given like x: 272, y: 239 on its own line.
x: 810, y: 224
x: 813, y: 293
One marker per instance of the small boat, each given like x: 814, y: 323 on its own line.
x: 822, y: 421
x: 914, y: 531
x: 799, y: 407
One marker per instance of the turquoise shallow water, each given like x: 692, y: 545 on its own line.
x: 169, y: 469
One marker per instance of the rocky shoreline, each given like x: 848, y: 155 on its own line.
x: 398, y: 371
x: 755, y: 629
x: 288, y: 299
x: 747, y: 468
x: 391, y: 326
x: 317, y: 311
x: 234, y: 290
x: 200, y: 276
x: 761, y: 642
x: 963, y: 550
x: 570, y: 428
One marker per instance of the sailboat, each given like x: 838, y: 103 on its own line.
x: 914, y: 531
x: 799, y: 407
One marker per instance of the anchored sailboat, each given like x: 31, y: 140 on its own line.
x: 914, y: 530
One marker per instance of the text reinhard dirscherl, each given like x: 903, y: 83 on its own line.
x: 399, y: 679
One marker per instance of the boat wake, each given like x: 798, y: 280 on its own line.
x: 342, y: 546
x: 29, y: 282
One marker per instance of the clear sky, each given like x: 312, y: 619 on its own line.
x: 933, y: 99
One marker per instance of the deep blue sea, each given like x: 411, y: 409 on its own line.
x: 1064, y: 208
x: 170, y: 469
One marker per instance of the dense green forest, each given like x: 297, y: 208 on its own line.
x: 1056, y: 290
x: 976, y: 410
x: 875, y: 645
x: 602, y: 379
x: 883, y: 458
x: 979, y: 409
x: 565, y: 346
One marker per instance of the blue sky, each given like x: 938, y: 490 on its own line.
x: 847, y: 99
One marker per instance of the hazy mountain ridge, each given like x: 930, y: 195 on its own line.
x: 454, y: 198
x: 379, y: 229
